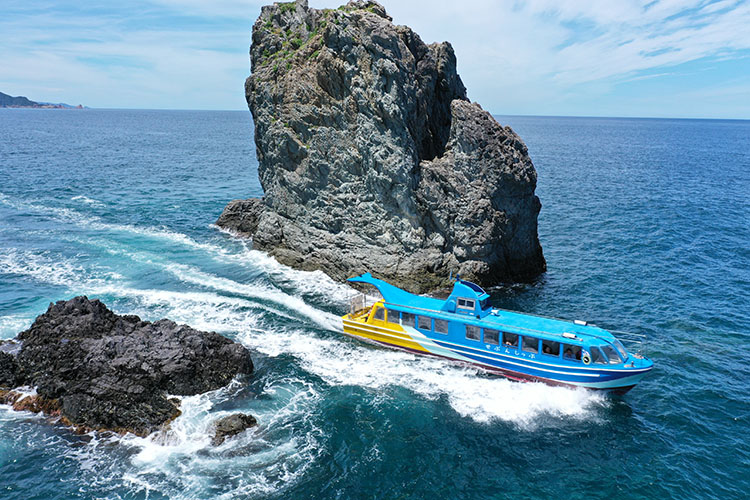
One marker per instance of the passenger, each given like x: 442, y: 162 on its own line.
x: 546, y: 349
x: 578, y: 355
x: 568, y: 353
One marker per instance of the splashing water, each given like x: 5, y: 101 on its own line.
x: 642, y: 238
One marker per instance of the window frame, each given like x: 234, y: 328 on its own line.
x: 604, y: 348
x: 420, y: 327
x: 497, y: 336
x: 514, y: 346
x: 411, y: 321
x: 381, y: 312
x: 573, y: 348
x: 524, y: 347
x: 602, y: 358
x: 621, y: 350
x: 435, y: 326
x: 466, y: 306
x: 478, y: 330
x: 388, y: 316
x: 551, y: 342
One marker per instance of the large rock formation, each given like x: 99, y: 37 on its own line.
x: 102, y: 371
x: 372, y: 158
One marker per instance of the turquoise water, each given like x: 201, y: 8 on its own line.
x: 645, y: 227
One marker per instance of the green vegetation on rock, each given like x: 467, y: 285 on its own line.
x: 381, y: 118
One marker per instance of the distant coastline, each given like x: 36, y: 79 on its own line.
x: 7, y: 101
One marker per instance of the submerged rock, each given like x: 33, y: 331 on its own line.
x: 103, y: 371
x: 231, y: 425
x: 372, y: 158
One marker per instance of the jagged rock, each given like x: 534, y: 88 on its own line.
x: 30, y: 402
x: 241, y: 216
x: 231, y: 425
x: 109, y: 372
x: 8, y: 371
x: 372, y: 158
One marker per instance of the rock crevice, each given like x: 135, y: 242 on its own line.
x: 372, y: 158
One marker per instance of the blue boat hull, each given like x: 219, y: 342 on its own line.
x: 509, y: 362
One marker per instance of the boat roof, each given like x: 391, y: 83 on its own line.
x: 394, y: 295
x: 542, y: 325
x: 510, y: 321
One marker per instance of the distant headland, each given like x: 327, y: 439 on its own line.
x: 7, y: 101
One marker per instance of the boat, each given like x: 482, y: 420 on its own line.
x: 466, y: 328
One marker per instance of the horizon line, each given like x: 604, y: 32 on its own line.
x: 73, y: 108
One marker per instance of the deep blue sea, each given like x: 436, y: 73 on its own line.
x: 645, y: 226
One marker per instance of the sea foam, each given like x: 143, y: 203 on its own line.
x: 250, y: 312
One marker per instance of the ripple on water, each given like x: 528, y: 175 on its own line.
x: 642, y: 229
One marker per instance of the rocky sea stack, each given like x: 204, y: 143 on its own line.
x: 98, y: 370
x: 372, y: 158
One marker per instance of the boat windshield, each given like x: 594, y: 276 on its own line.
x: 485, y: 304
x: 621, y: 349
x: 474, y: 287
x: 597, y: 356
x: 612, y: 356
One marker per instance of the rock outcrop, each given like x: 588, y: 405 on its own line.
x: 372, y: 158
x: 231, y: 425
x: 102, y: 371
x: 8, y: 370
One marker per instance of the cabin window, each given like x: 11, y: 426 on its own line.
x: 550, y: 348
x: 472, y: 332
x: 380, y: 313
x: 572, y: 352
x: 621, y: 349
x: 407, y: 319
x: 491, y: 336
x: 510, y: 339
x: 424, y: 322
x: 530, y: 344
x: 466, y: 304
x: 484, y: 304
x: 392, y: 316
x: 611, y: 355
x: 441, y: 326
x: 597, y: 356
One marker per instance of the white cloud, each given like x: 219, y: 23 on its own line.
x: 514, y: 56
x: 529, y: 57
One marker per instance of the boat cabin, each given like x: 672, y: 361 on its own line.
x: 465, y: 320
x: 469, y: 299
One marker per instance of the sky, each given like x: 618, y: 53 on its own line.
x: 644, y: 58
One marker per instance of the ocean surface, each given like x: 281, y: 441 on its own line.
x: 645, y: 226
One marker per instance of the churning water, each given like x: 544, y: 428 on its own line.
x: 645, y: 227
